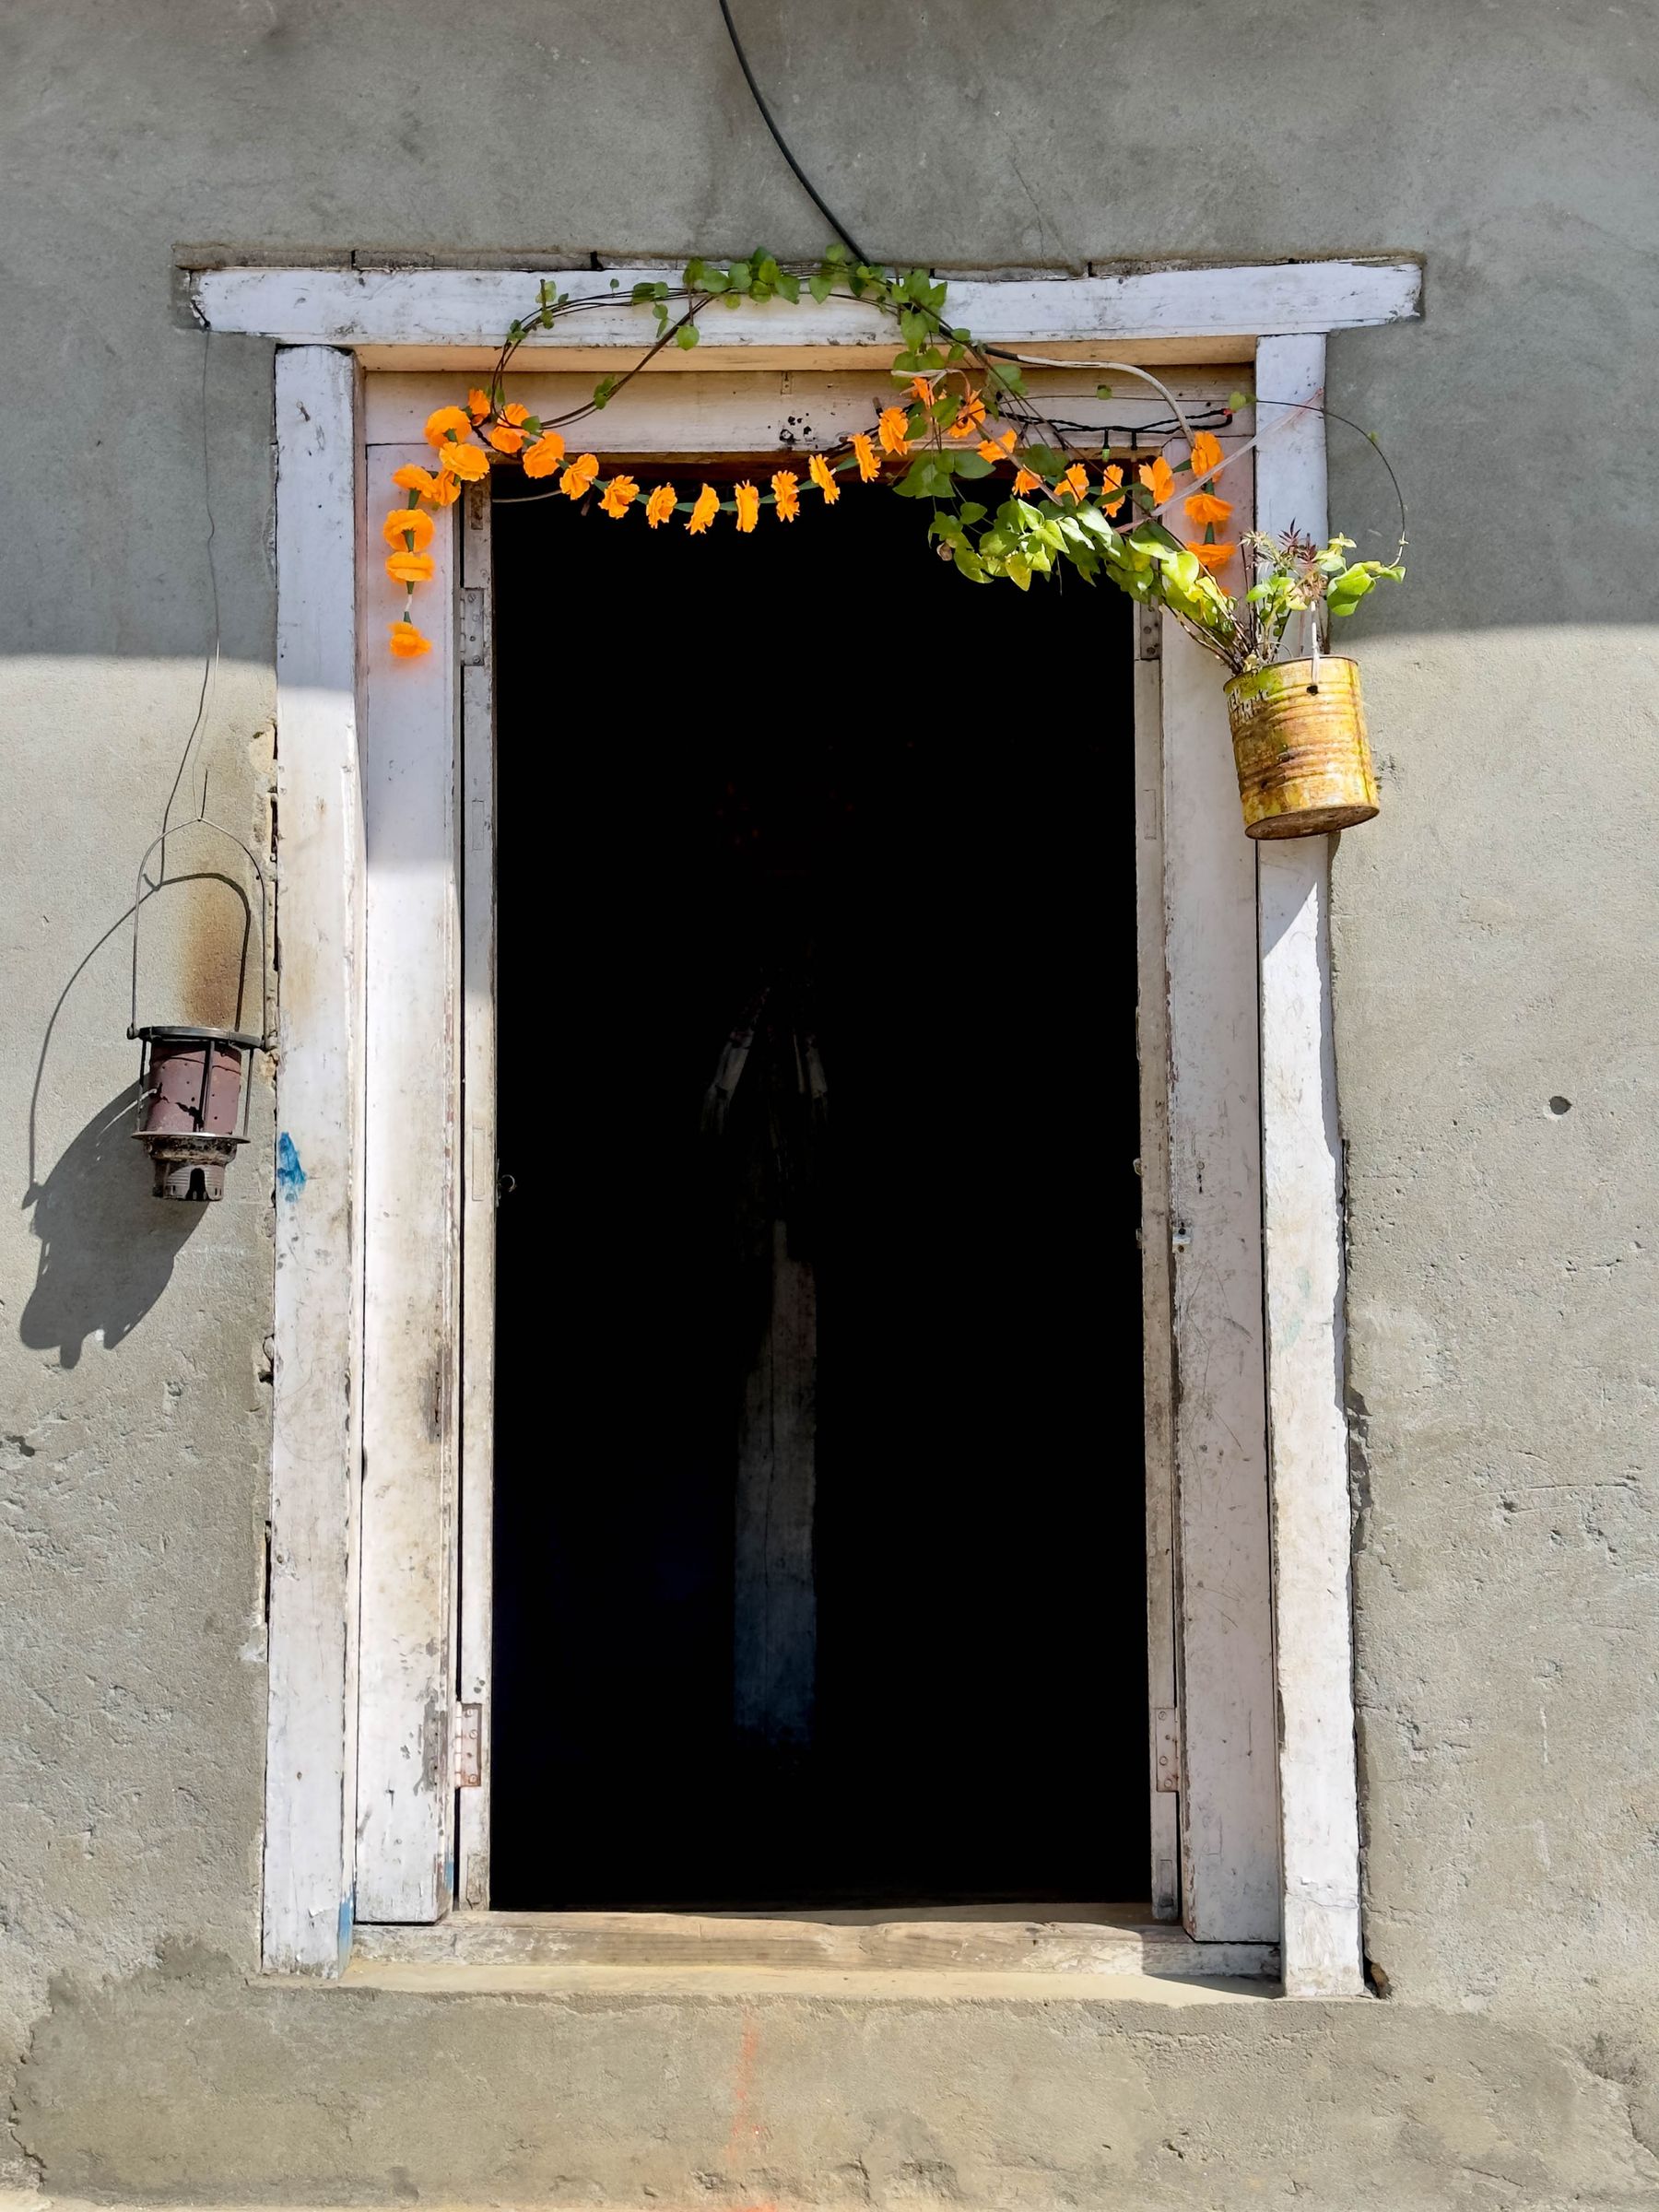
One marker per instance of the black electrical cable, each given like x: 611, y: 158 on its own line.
x: 810, y: 189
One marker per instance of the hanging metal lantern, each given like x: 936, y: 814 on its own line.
x: 193, y: 1101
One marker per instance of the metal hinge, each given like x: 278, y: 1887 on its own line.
x: 475, y: 626
x: 1166, y: 1748
x: 469, y: 1747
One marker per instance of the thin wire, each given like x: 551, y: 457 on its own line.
x: 211, y: 659
x: 805, y: 182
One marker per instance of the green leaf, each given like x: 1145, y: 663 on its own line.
x: 1349, y: 588
x: 970, y: 513
x: 645, y: 289
x: 1184, y: 569
x: 1102, y: 391
x: 711, y: 281
x: 530, y: 426
x: 970, y: 565
x: 789, y: 287
x: 1019, y: 570
x: 686, y: 336
x: 1237, y: 400
x: 820, y: 287
x: 604, y: 388
x: 740, y: 276
x: 971, y: 464
x: 838, y: 252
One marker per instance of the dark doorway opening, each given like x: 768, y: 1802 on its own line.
x: 819, y: 1494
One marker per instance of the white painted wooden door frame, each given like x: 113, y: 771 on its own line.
x: 1269, y: 1844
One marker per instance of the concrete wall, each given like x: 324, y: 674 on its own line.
x: 1496, y: 936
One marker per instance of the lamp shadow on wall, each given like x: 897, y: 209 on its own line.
x: 107, y: 1246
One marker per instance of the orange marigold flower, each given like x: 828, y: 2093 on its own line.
x: 514, y: 414
x: 787, y: 485
x: 1026, y: 481
x: 1206, y: 452
x: 578, y: 479
x: 478, y: 402
x: 1112, y: 480
x: 748, y: 506
x: 445, y: 423
x: 1158, y: 478
x: 408, y: 642
x: 703, y: 513
x: 619, y: 495
x: 818, y: 469
x: 998, y: 449
x: 504, y: 438
x: 470, y: 463
x: 410, y: 568
x: 970, y: 416
x: 407, y: 522
x: 1205, y: 508
x: 922, y: 390
x: 893, y: 427
x: 446, y: 490
x: 545, y: 455
x: 868, y: 466
x: 410, y: 479
x: 660, y: 505
x: 1213, y: 557
x: 1074, y: 482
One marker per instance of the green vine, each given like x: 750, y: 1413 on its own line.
x: 965, y: 422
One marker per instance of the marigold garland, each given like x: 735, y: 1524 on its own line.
x: 966, y: 420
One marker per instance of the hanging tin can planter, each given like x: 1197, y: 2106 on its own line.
x: 1300, y: 747
x: 193, y: 1101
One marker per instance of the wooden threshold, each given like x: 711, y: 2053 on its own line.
x: 1057, y: 1939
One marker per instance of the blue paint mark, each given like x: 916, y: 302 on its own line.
x: 346, y: 1919
x: 449, y: 1878
x: 290, y: 1175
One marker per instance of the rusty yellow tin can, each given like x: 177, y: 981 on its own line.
x: 1300, y: 747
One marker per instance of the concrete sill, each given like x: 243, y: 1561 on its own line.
x: 1033, y: 1947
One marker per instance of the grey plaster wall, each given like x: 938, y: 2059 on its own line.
x: 1496, y: 943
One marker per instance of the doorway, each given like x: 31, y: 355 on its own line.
x: 819, y: 1490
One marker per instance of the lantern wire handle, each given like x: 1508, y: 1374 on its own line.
x: 180, y: 829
